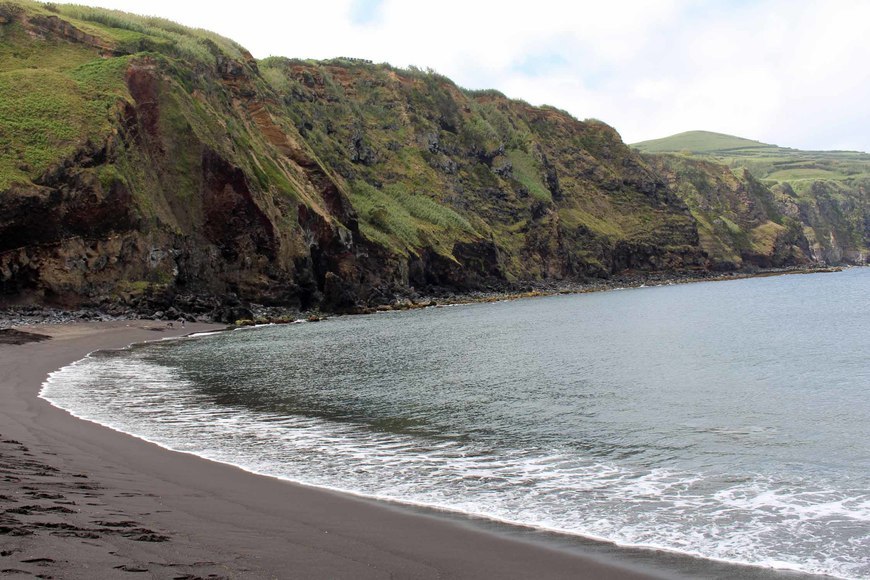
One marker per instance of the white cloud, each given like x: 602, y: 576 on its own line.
x: 792, y: 72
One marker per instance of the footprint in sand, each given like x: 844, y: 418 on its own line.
x: 130, y: 568
x: 38, y: 561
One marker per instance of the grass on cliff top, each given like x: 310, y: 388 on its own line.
x: 38, y: 121
x: 132, y: 33
x: 18, y: 50
x: 56, y: 96
x: 45, y: 116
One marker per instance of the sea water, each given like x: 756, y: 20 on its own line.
x: 727, y: 420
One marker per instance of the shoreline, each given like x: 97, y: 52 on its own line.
x: 541, y: 289
x: 647, y: 280
x: 216, y: 510
x: 15, y: 316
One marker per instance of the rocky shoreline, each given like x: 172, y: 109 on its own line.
x: 231, y: 310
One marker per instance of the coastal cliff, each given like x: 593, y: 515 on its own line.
x: 767, y: 205
x: 148, y: 162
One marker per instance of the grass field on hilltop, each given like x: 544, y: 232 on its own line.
x: 701, y: 142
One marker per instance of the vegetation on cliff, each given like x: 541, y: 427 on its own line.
x: 822, y: 197
x: 144, y: 157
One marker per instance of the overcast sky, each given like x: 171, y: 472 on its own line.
x: 791, y: 72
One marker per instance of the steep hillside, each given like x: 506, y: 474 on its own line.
x: 137, y: 165
x: 827, y: 192
x: 145, y: 163
x: 435, y: 169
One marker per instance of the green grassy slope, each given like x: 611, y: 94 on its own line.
x: 58, y: 86
x: 701, y: 142
x: 557, y: 196
x: 130, y: 147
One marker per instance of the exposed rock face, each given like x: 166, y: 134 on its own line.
x: 183, y: 167
x: 740, y: 221
x: 836, y: 218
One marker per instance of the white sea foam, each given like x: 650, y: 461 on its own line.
x: 752, y: 519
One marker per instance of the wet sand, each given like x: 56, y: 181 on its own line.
x: 78, y: 500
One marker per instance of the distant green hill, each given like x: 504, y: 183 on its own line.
x: 767, y: 162
x: 701, y: 142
